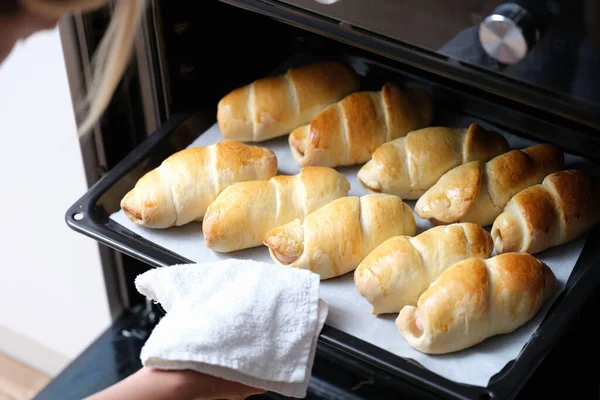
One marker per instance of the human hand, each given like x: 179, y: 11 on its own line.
x: 155, y: 384
x: 209, y: 387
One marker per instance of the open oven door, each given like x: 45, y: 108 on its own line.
x: 109, y: 359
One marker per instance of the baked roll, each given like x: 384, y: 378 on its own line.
x: 410, y: 165
x: 334, y: 239
x: 400, y: 269
x: 478, y: 191
x: 181, y: 188
x: 275, y: 105
x: 563, y: 207
x: 476, y: 299
x: 244, y: 212
x: 348, y: 132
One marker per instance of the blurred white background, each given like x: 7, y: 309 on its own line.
x: 52, y: 295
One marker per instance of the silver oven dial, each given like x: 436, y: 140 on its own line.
x: 508, y: 34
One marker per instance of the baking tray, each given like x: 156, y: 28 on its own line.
x: 90, y: 215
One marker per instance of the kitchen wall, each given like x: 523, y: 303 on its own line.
x: 52, y: 294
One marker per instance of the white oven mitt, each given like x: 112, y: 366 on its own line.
x: 245, y: 321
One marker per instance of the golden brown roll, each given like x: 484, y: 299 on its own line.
x: 410, y: 165
x: 181, y: 188
x: 334, y: 239
x: 400, y: 269
x: 244, y: 212
x: 478, y: 191
x: 560, y: 209
x: 349, y: 131
x: 275, y: 105
x: 476, y: 299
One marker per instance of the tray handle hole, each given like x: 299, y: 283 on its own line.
x: 78, y: 216
x: 486, y: 396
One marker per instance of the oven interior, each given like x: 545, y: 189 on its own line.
x: 210, y: 48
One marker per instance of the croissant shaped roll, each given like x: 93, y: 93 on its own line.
x: 476, y: 299
x: 348, y: 132
x: 181, y: 188
x: 244, y: 212
x: 560, y: 209
x: 410, y: 165
x: 400, y: 269
x: 478, y: 191
x: 273, y: 106
x: 334, y: 239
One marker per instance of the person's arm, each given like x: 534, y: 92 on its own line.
x: 153, y: 384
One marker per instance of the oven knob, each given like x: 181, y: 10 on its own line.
x: 508, y: 34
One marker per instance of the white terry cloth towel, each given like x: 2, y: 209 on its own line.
x: 251, y: 322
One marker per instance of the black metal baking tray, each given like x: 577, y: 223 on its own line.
x: 90, y: 216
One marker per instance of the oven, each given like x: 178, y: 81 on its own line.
x: 528, y: 67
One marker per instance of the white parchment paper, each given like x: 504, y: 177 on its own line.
x: 348, y: 311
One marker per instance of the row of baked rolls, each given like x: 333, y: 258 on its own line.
x: 335, y: 238
x: 275, y: 105
x: 399, y: 270
x: 181, y: 188
x: 348, y: 132
x: 476, y: 299
x: 412, y: 164
x: 244, y: 212
x: 478, y: 191
x: 560, y: 209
